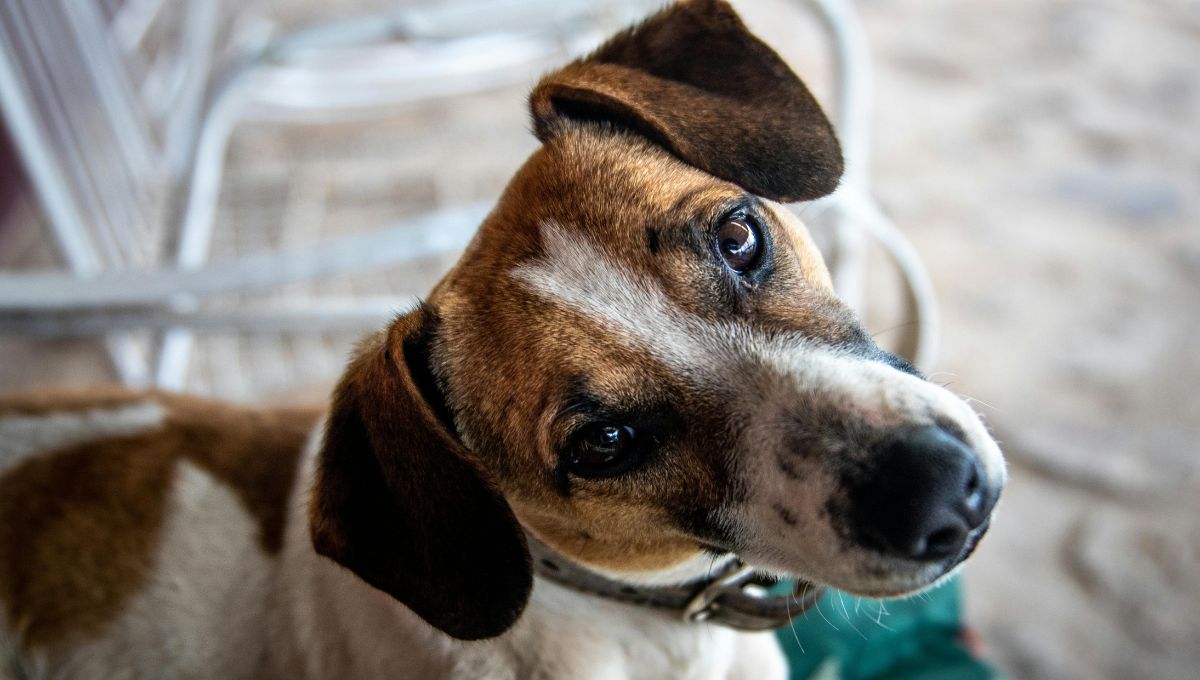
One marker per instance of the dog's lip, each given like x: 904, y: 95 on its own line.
x: 770, y: 579
x: 899, y: 590
x: 917, y: 585
x: 947, y: 567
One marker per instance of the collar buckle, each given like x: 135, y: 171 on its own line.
x: 702, y: 605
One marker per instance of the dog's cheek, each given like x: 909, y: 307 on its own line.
x: 782, y: 518
x: 791, y: 517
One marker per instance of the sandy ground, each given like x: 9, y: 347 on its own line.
x: 1044, y: 157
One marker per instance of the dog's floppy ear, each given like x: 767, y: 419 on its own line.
x: 401, y: 502
x: 693, y: 79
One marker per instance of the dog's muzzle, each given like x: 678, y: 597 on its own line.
x: 736, y: 596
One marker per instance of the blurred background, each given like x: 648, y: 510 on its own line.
x: 221, y: 197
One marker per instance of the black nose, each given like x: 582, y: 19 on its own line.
x: 924, y: 496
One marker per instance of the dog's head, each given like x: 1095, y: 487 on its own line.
x: 640, y: 359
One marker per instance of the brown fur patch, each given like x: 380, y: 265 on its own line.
x: 608, y: 535
x: 79, y: 527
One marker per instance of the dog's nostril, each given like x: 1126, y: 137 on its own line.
x: 974, y: 497
x: 973, y: 482
x: 976, y: 501
x: 942, y: 543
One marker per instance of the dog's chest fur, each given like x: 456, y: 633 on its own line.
x: 555, y: 640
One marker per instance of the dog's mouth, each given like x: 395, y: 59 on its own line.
x: 890, y: 580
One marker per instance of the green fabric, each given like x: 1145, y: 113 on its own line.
x: 849, y: 638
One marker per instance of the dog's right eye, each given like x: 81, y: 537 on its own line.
x: 604, y: 450
x: 738, y: 242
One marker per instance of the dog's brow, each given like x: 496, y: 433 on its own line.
x: 579, y: 275
x: 693, y: 196
x: 575, y: 273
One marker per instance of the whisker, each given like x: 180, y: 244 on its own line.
x: 948, y: 374
x: 879, y: 617
x: 846, y: 615
x: 889, y: 329
x: 817, y: 607
x: 792, y: 621
x: 973, y: 400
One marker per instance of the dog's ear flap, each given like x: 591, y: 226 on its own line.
x: 400, y: 501
x: 694, y: 80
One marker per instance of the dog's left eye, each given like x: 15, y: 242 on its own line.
x: 603, y: 450
x: 738, y: 242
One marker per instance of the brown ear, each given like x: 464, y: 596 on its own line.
x: 400, y: 501
x: 693, y: 79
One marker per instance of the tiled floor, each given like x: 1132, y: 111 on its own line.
x: 1043, y: 155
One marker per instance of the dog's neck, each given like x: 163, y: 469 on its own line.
x: 350, y: 616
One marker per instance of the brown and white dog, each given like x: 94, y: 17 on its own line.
x: 638, y: 361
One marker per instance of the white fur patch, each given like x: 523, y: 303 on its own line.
x: 22, y: 436
x: 615, y: 641
x: 201, y: 612
x: 577, y: 274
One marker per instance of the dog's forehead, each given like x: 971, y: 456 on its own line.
x: 612, y: 188
x: 633, y: 200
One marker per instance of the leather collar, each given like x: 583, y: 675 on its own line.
x: 735, y: 596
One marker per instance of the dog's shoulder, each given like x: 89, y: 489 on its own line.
x: 101, y: 494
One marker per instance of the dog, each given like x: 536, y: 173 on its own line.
x: 635, y: 394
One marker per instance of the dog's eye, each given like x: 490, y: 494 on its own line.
x: 603, y: 449
x: 738, y: 242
